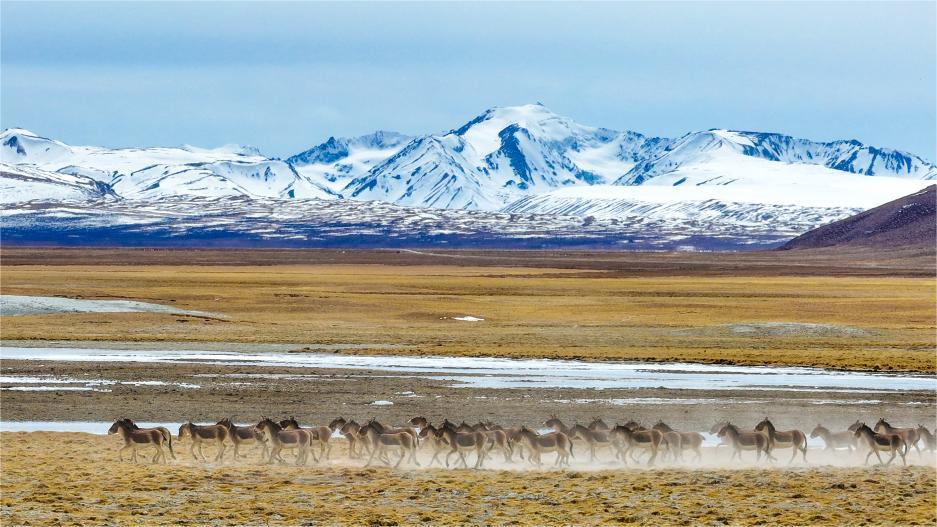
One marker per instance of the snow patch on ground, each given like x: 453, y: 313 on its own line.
x: 15, y: 305
x: 51, y: 383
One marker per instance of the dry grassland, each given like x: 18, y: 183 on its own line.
x: 881, y: 323
x: 74, y: 479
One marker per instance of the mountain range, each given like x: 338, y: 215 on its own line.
x: 521, y: 160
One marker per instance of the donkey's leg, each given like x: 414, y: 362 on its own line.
x: 371, y: 457
x: 435, y: 455
x: 892, y: 458
x: 274, y: 455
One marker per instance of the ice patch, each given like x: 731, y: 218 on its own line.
x: 88, y: 427
x: 468, y: 318
x: 382, y: 403
x: 53, y: 389
x: 41, y: 383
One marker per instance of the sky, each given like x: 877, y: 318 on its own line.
x: 285, y: 76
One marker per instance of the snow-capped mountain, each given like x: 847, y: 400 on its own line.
x: 336, y: 162
x: 717, y: 173
x: 519, y: 153
x: 152, y: 172
x: 524, y: 163
x: 725, y: 157
x: 500, y: 156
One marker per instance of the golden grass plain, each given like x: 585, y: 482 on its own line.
x: 75, y: 479
x: 880, y: 323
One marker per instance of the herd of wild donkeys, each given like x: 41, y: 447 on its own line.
x: 378, y: 442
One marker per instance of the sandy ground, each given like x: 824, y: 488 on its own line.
x: 75, y: 479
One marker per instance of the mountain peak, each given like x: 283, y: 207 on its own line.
x: 18, y: 131
x: 337, y: 149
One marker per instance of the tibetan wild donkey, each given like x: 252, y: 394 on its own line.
x: 135, y: 439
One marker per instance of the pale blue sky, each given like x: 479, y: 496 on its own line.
x: 285, y: 76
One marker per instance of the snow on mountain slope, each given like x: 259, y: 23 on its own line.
x: 20, y: 184
x: 723, y: 157
x: 791, y: 198
x: 266, y: 178
x: 151, y: 172
x: 429, y: 172
x: 501, y: 155
x: 336, y: 162
x: 24, y: 147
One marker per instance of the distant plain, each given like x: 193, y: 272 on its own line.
x: 659, y: 307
